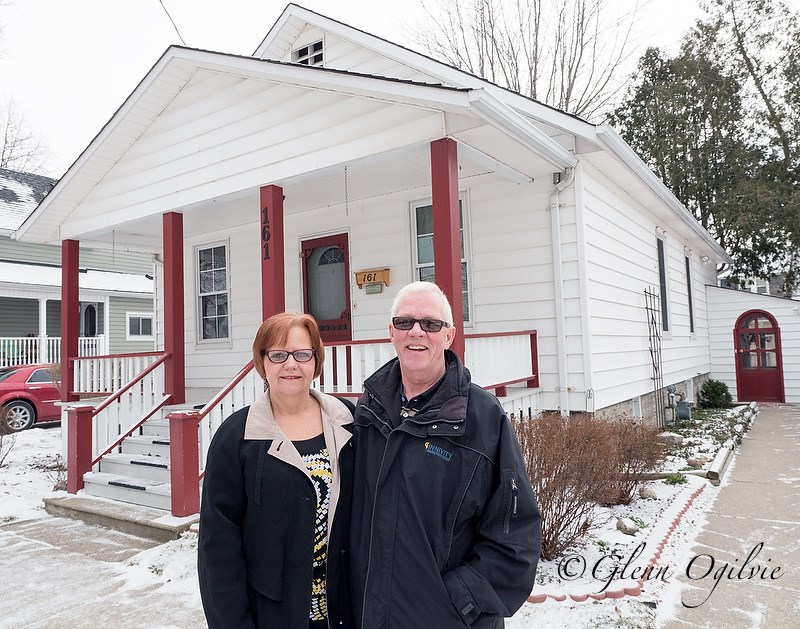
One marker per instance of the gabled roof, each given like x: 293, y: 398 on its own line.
x: 434, y: 89
x: 20, y: 193
x: 295, y: 19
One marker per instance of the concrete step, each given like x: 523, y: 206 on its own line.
x: 138, y: 491
x: 136, y: 466
x: 149, y: 445
x: 144, y: 522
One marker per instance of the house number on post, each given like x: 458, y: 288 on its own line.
x: 265, y: 235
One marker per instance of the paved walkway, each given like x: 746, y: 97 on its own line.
x: 59, y: 573
x: 745, y: 563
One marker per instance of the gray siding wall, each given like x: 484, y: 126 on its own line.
x: 19, y: 317
x: 117, y: 320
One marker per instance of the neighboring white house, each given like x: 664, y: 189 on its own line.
x: 116, y: 297
x: 330, y: 168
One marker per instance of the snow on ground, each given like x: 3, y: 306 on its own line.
x: 603, y: 562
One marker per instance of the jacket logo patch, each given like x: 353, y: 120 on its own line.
x: 438, y: 451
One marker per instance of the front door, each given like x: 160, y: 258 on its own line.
x: 326, y: 289
x: 759, y: 366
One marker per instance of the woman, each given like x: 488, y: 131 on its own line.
x: 276, y: 499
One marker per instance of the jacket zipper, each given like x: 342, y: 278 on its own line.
x: 512, y: 507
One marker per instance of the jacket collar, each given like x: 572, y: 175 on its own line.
x: 446, y: 411
x: 261, y: 424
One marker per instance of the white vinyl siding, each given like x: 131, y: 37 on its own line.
x: 622, y: 262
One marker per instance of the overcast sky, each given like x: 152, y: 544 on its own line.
x: 69, y: 64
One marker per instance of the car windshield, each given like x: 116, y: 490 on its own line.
x: 6, y: 372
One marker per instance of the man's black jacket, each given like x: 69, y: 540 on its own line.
x: 446, y: 530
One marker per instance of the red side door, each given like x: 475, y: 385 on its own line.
x: 759, y: 364
x: 326, y: 286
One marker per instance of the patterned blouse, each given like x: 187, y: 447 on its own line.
x: 317, y: 460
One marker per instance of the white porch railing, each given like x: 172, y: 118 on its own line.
x: 31, y: 350
x: 121, y: 413
x: 500, y: 360
x: 103, y: 375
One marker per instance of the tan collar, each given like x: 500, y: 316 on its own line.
x: 261, y: 424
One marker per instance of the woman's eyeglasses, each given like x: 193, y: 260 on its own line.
x: 426, y: 325
x: 281, y: 356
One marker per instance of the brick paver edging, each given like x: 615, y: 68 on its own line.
x: 636, y: 589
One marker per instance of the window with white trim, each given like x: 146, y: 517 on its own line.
x: 212, y: 292
x: 422, y: 224
x: 138, y: 326
x: 310, y: 55
x: 663, y: 283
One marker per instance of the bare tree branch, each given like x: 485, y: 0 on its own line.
x: 566, y: 53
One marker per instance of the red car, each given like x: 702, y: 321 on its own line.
x: 28, y: 395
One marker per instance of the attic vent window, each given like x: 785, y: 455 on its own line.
x: 310, y: 55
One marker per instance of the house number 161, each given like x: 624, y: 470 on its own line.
x: 265, y: 235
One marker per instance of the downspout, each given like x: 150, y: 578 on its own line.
x: 561, y: 341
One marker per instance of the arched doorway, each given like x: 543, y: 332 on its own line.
x: 759, y: 364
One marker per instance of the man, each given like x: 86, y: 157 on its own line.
x: 446, y: 530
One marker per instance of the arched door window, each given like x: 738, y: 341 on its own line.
x: 89, y: 320
x: 759, y: 368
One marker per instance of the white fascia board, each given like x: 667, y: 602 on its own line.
x: 518, y: 128
x: 615, y: 145
x: 449, y: 75
x: 189, y: 60
x: 342, y: 82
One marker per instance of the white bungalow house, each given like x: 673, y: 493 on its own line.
x: 115, y: 300
x: 332, y: 167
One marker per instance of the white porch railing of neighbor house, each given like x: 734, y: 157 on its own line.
x: 31, y: 350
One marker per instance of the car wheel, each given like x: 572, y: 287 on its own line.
x: 19, y: 415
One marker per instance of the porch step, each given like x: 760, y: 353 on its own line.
x: 138, y: 491
x: 136, y: 466
x: 149, y: 445
x: 156, y: 427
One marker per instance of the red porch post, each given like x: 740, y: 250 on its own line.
x: 446, y: 231
x: 174, y: 377
x: 79, y: 446
x: 70, y: 316
x: 184, y: 463
x: 273, y: 293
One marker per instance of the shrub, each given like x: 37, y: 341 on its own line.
x: 635, y: 450
x: 714, y: 394
x: 676, y: 479
x: 567, y: 459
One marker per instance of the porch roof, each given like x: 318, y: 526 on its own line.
x: 129, y: 172
x: 37, y: 275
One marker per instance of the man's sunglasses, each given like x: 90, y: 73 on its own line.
x: 281, y: 356
x: 426, y: 325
